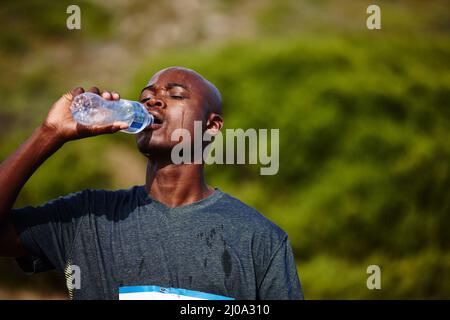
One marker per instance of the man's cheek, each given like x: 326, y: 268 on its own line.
x: 183, y: 118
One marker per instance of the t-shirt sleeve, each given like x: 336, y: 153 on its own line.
x: 281, y: 280
x: 48, y: 231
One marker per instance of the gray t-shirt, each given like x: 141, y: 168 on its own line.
x: 124, y: 240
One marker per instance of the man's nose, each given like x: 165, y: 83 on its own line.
x: 154, y: 102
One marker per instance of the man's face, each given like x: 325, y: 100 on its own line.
x: 176, y: 98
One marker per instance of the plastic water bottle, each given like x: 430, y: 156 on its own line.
x: 91, y: 109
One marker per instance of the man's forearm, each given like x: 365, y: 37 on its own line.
x: 18, y: 168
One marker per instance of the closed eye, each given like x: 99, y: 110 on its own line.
x: 145, y: 100
x: 177, y: 97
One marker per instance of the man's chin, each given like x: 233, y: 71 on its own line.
x: 153, y: 149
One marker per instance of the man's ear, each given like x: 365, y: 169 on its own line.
x: 214, y: 123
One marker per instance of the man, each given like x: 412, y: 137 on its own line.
x: 175, y: 237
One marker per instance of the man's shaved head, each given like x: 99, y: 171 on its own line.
x: 211, y: 93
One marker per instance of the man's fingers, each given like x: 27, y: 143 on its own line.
x: 111, y: 128
x: 106, y: 95
x: 76, y: 91
x: 73, y: 93
x: 94, y: 90
x: 122, y: 125
x: 101, y: 129
x: 115, y: 95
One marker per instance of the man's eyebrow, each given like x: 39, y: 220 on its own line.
x: 171, y: 85
x: 150, y: 87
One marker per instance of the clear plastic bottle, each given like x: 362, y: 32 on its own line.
x: 91, y: 109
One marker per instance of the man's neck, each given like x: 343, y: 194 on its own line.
x: 176, y: 185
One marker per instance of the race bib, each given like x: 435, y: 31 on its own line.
x: 161, y: 293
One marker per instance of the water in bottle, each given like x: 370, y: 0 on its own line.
x: 91, y: 109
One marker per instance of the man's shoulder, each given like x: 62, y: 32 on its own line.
x: 99, y: 199
x: 109, y: 193
x: 248, y: 217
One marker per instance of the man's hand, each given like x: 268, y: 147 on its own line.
x: 61, y: 124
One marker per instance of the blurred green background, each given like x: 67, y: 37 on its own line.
x: 364, y: 121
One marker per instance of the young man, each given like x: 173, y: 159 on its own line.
x: 175, y: 237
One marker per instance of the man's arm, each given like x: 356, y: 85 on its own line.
x: 14, y: 172
x: 58, y: 128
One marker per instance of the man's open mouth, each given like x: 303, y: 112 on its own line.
x: 157, y: 123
